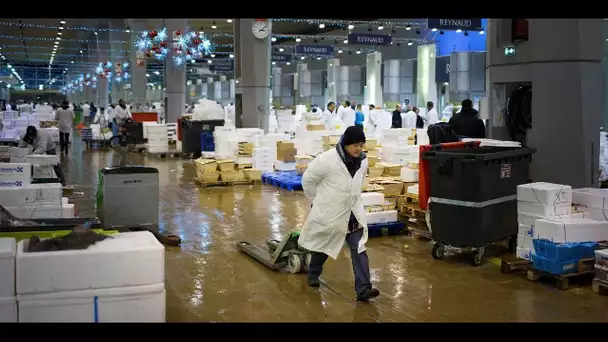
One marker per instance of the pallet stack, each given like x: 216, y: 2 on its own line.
x: 224, y: 172
x: 380, y: 213
x: 158, y: 140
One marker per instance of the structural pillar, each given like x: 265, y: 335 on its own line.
x: 373, y: 94
x: 138, y: 68
x: 118, y: 55
x: 252, y: 70
x: 300, y: 92
x: 175, y: 76
x: 426, y: 89
x: 562, y: 61
x: 103, y: 85
x: 331, y: 94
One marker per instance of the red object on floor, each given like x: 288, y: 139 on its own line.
x: 424, y: 185
x: 145, y: 117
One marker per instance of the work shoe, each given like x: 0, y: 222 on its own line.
x: 368, y: 294
x: 313, y: 282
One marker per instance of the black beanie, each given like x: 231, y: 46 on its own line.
x: 353, y: 135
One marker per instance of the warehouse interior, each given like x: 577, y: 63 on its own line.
x: 250, y: 101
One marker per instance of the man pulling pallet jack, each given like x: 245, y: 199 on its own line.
x: 333, y: 182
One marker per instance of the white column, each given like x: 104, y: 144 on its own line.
x: 118, y: 56
x: 138, y: 72
x: 175, y: 76
x: 373, y: 93
x: 331, y: 94
x: 425, y: 83
x: 102, y: 83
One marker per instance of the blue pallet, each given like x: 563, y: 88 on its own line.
x: 288, y: 180
x: 207, y: 142
x: 564, y: 251
x: 556, y: 267
x: 375, y: 230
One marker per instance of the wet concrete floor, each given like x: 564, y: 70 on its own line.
x: 207, y: 279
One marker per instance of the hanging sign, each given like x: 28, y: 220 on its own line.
x: 314, y: 50
x: 455, y: 24
x: 280, y: 58
x: 221, y: 66
x: 369, y: 39
x: 442, y: 69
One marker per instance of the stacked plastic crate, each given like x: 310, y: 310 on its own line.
x: 537, y: 201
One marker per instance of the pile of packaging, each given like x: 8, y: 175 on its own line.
x: 378, y: 208
x: 158, y: 137
x: 209, y: 171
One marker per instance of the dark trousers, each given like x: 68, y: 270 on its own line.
x: 64, y: 142
x: 360, y: 262
x: 57, y: 167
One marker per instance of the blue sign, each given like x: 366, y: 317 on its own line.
x: 369, y: 39
x: 314, y: 50
x: 455, y: 24
x: 280, y: 58
x: 221, y: 66
x: 442, y: 69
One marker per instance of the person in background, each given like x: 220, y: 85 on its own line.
x: 8, y: 106
x: 43, y: 143
x: 121, y: 114
x: 347, y: 114
x: 372, y: 121
x: 86, y: 112
x: 92, y: 112
x: 337, y: 212
x: 353, y: 106
x: 65, y: 119
x: 467, y: 123
x: 328, y: 115
x: 25, y: 108
x: 397, y: 121
x: 431, y: 114
x: 190, y: 109
x: 419, y: 120
x: 359, y: 116
x: 410, y: 117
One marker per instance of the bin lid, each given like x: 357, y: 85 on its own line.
x: 480, y: 153
x: 128, y: 169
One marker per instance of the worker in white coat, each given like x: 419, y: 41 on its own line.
x: 410, y: 117
x: 65, y: 118
x: 329, y: 115
x: 347, y: 114
x: 333, y: 182
x: 431, y: 116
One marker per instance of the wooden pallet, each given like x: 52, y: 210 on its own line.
x: 562, y: 282
x: 599, y: 286
x: 509, y: 266
x: 220, y: 183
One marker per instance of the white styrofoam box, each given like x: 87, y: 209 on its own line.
x: 37, y: 210
x: 526, y: 230
x: 43, y: 171
x: 422, y: 137
x: 208, y: 154
x: 528, y: 219
x: 64, y: 200
x: 523, y: 253
x: 595, y: 214
x: 263, y: 152
x: 382, y: 217
x: 544, y: 193
x: 15, y: 174
x: 17, y: 159
x: 409, y: 175
x: 8, y: 250
x: 145, y: 303
x: 11, y: 134
x: 544, y: 210
x: 8, y: 310
x: 571, y: 230
x: 372, y: 198
x: 158, y: 149
x: 68, y: 210
x: 284, y: 166
x: 412, y: 189
x: 591, y: 197
x: 244, y: 160
x: 31, y: 194
x: 19, y: 152
x: 525, y: 241
x: 128, y: 259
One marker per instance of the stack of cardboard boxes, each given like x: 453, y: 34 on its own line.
x: 209, y: 171
x: 286, y: 156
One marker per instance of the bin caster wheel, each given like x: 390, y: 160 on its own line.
x: 478, y: 256
x: 437, y: 251
x: 294, y: 263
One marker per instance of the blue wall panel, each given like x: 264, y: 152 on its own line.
x: 451, y: 41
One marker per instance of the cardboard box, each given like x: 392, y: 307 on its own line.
x: 315, y: 127
x: 370, y: 144
x: 207, y: 177
x: 287, y: 154
x: 225, y: 165
x: 375, y: 171
x: 393, y: 170
x: 372, y: 161
x: 391, y: 188
x: 206, y: 165
x: 228, y: 176
x: 253, y: 174
x: 544, y: 193
x: 331, y: 140
x: 571, y: 230
x: 372, y: 154
x: 282, y: 145
x: 544, y: 210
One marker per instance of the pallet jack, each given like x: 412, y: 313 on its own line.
x: 277, y: 255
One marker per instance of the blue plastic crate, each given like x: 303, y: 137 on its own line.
x: 557, y: 267
x: 374, y: 230
x: 564, y: 251
x: 207, y: 142
x: 288, y: 180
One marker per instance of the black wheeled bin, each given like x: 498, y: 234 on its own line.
x: 191, y: 133
x: 473, y: 195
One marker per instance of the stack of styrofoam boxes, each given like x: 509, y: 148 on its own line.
x: 43, y: 165
x: 537, y: 201
x: 15, y: 175
x: 310, y: 142
x: 5, y: 152
x: 593, y: 202
x: 157, y: 138
x: 120, y: 279
x: 18, y: 154
x: 222, y: 136
x: 36, y: 201
x: 263, y: 158
x: 395, y: 148
x: 285, y: 121
x: 375, y: 213
x: 172, y: 135
x: 19, y: 125
x: 54, y: 133
x: 9, y: 132
x: 8, y: 300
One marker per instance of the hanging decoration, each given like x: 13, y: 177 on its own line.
x: 104, y: 70
x: 121, y: 72
x: 153, y: 44
x: 185, y: 45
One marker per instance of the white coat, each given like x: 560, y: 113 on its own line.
x: 431, y: 117
x: 86, y: 110
x: 334, y: 194
x: 65, y: 119
x: 328, y: 118
x: 121, y: 114
x: 409, y: 119
x: 347, y: 115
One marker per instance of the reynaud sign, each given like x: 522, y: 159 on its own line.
x: 455, y: 24
x: 314, y: 50
x: 369, y: 39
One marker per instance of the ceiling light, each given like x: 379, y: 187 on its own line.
x: 458, y: 31
x: 147, y: 75
x: 213, y: 26
x: 95, y: 33
x: 298, y: 40
x: 128, y: 31
x: 481, y: 32
x: 274, y: 39
x: 288, y: 63
x: 345, y: 41
x: 381, y: 27
x: 229, y: 20
x: 408, y: 27
x: 321, y: 25
x: 72, y: 62
x: 156, y: 73
x: 212, y: 55
x: 231, y: 56
x: 273, y: 62
x: 62, y: 22
x: 302, y: 58
x: 318, y: 58
x: 340, y: 51
x: 410, y: 43
x: 434, y: 29
x: 281, y: 49
x: 80, y: 51
x: 66, y: 69
x: 351, y: 26
x: 58, y: 38
x: 209, y: 61
x: 358, y: 52
x: 59, y: 33
x: 61, y: 27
